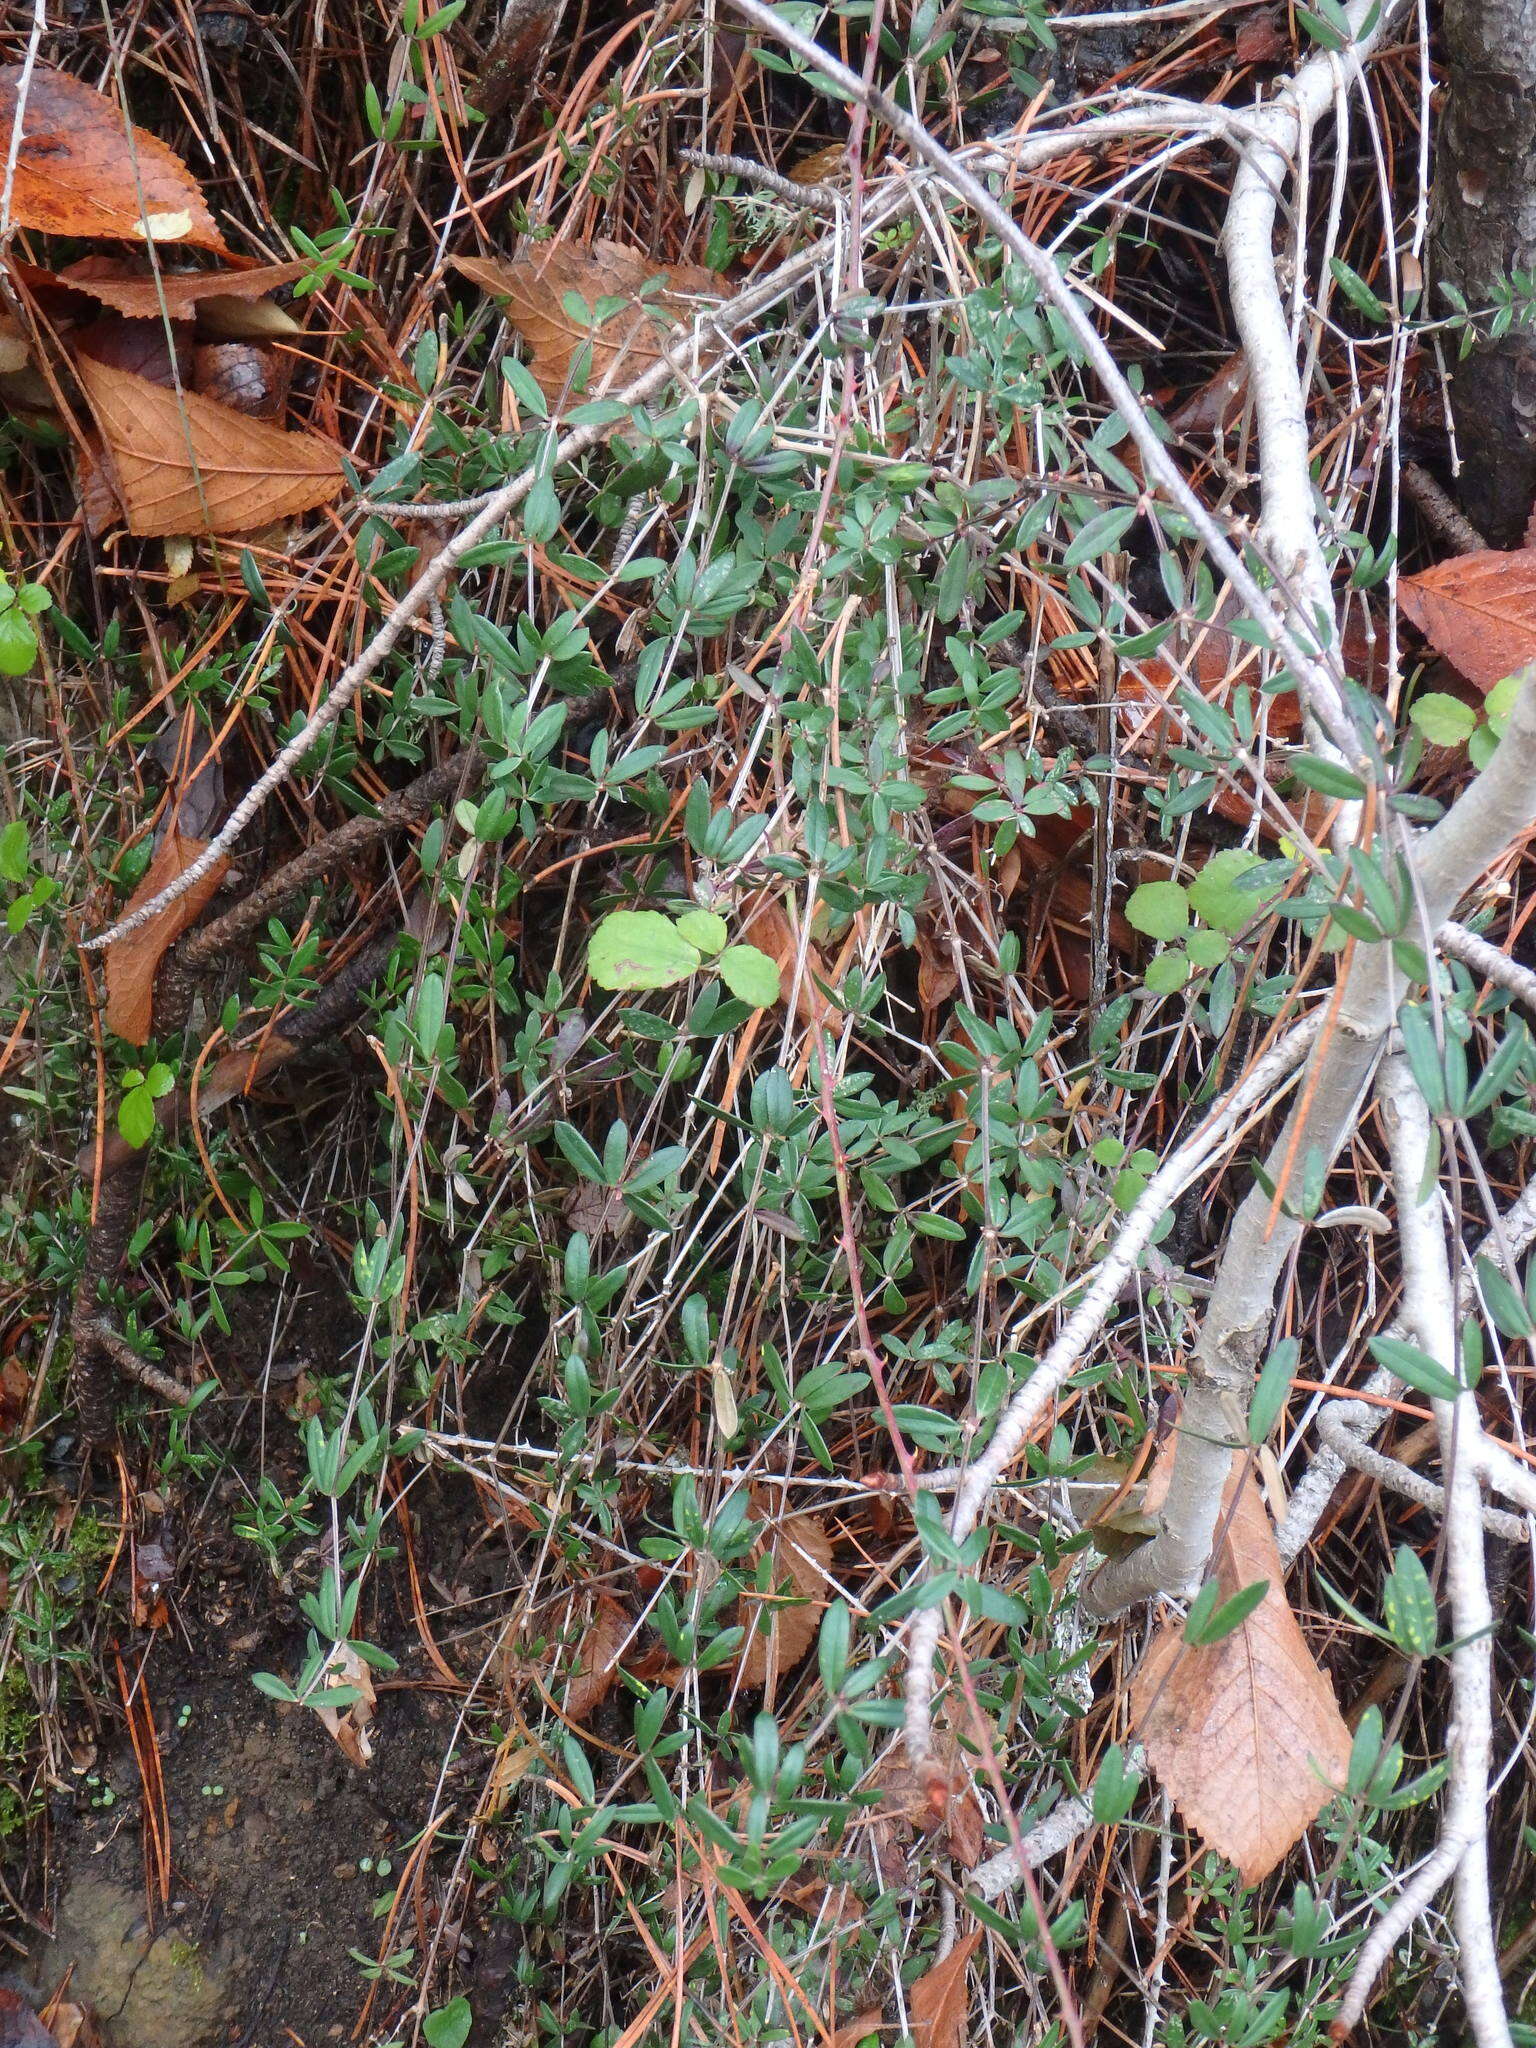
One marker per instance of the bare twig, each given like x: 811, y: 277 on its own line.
x: 1429, y: 1313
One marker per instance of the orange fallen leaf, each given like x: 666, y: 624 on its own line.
x: 1478, y: 610
x: 939, y: 2001
x: 853, y: 2031
x: 546, y: 289
x: 597, y: 1663
x: 185, y: 464
x: 767, y: 927
x: 781, y: 1625
x: 140, y: 295
x: 133, y: 960
x: 83, y: 169
x: 1244, y: 1734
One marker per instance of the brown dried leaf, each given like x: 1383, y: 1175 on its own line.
x: 853, y: 2031
x: 938, y: 2002
x: 133, y: 960
x: 1217, y: 406
x: 218, y: 298
x: 184, y: 464
x: 1478, y: 610
x: 781, y: 1626
x: 1261, y: 39
x: 82, y: 169
x: 597, y: 1665
x: 536, y: 287
x: 142, y: 347
x: 241, y: 375
x: 768, y: 928
x: 1244, y: 1734
x: 349, y: 1724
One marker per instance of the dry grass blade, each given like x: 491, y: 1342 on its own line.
x: 1479, y: 611
x: 82, y: 169
x: 1244, y: 1734
x: 547, y: 289
x: 184, y: 464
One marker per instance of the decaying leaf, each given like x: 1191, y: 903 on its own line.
x: 546, y: 289
x: 1244, y: 1734
x: 853, y: 2031
x: 242, y: 375
x: 350, y: 1722
x: 765, y: 925
x: 227, y: 303
x: 597, y: 1663
x: 1478, y: 610
x: 83, y: 169
x: 939, y: 2001
x: 185, y: 464
x: 781, y: 1624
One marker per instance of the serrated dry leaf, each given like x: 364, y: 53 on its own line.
x: 939, y: 2002
x: 134, y: 960
x: 82, y: 169
x: 1478, y: 610
x: 184, y: 464
x: 597, y: 1663
x: 1245, y: 1735
x: 229, y: 304
x: 536, y: 286
x: 781, y: 1626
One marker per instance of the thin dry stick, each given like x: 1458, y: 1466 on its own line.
x: 1251, y: 1096
x: 1317, y: 676
x: 1429, y: 1313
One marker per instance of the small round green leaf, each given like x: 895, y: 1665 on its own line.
x: 1160, y: 909
x: 1444, y: 721
x: 1216, y: 894
x: 640, y: 949
x: 750, y: 974
x: 1167, y: 974
x: 136, y: 1117
x: 18, y: 644
x: 1208, y: 949
x: 703, y: 929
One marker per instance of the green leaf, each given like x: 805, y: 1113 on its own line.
x: 1208, y: 949
x: 449, y: 2026
x: 1160, y: 909
x: 1274, y: 1384
x: 1506, y: 1304
x: 1358, y: 292
x: 136, y: 1117
x: 1206, y: 1623
x: 1444, y: 721
x: 1216, y: 895
x: 1501, y: 701
x: 13, y: 852
x: 1102, y: 533
x: 702, y: 928
x: 1415, y: 1368
x: 18, y: 643
x: 1408, y: 1606
x: 1326, y: 777
x: 1167, y: 974
x: 640, y: 949
x: 750, y: 975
